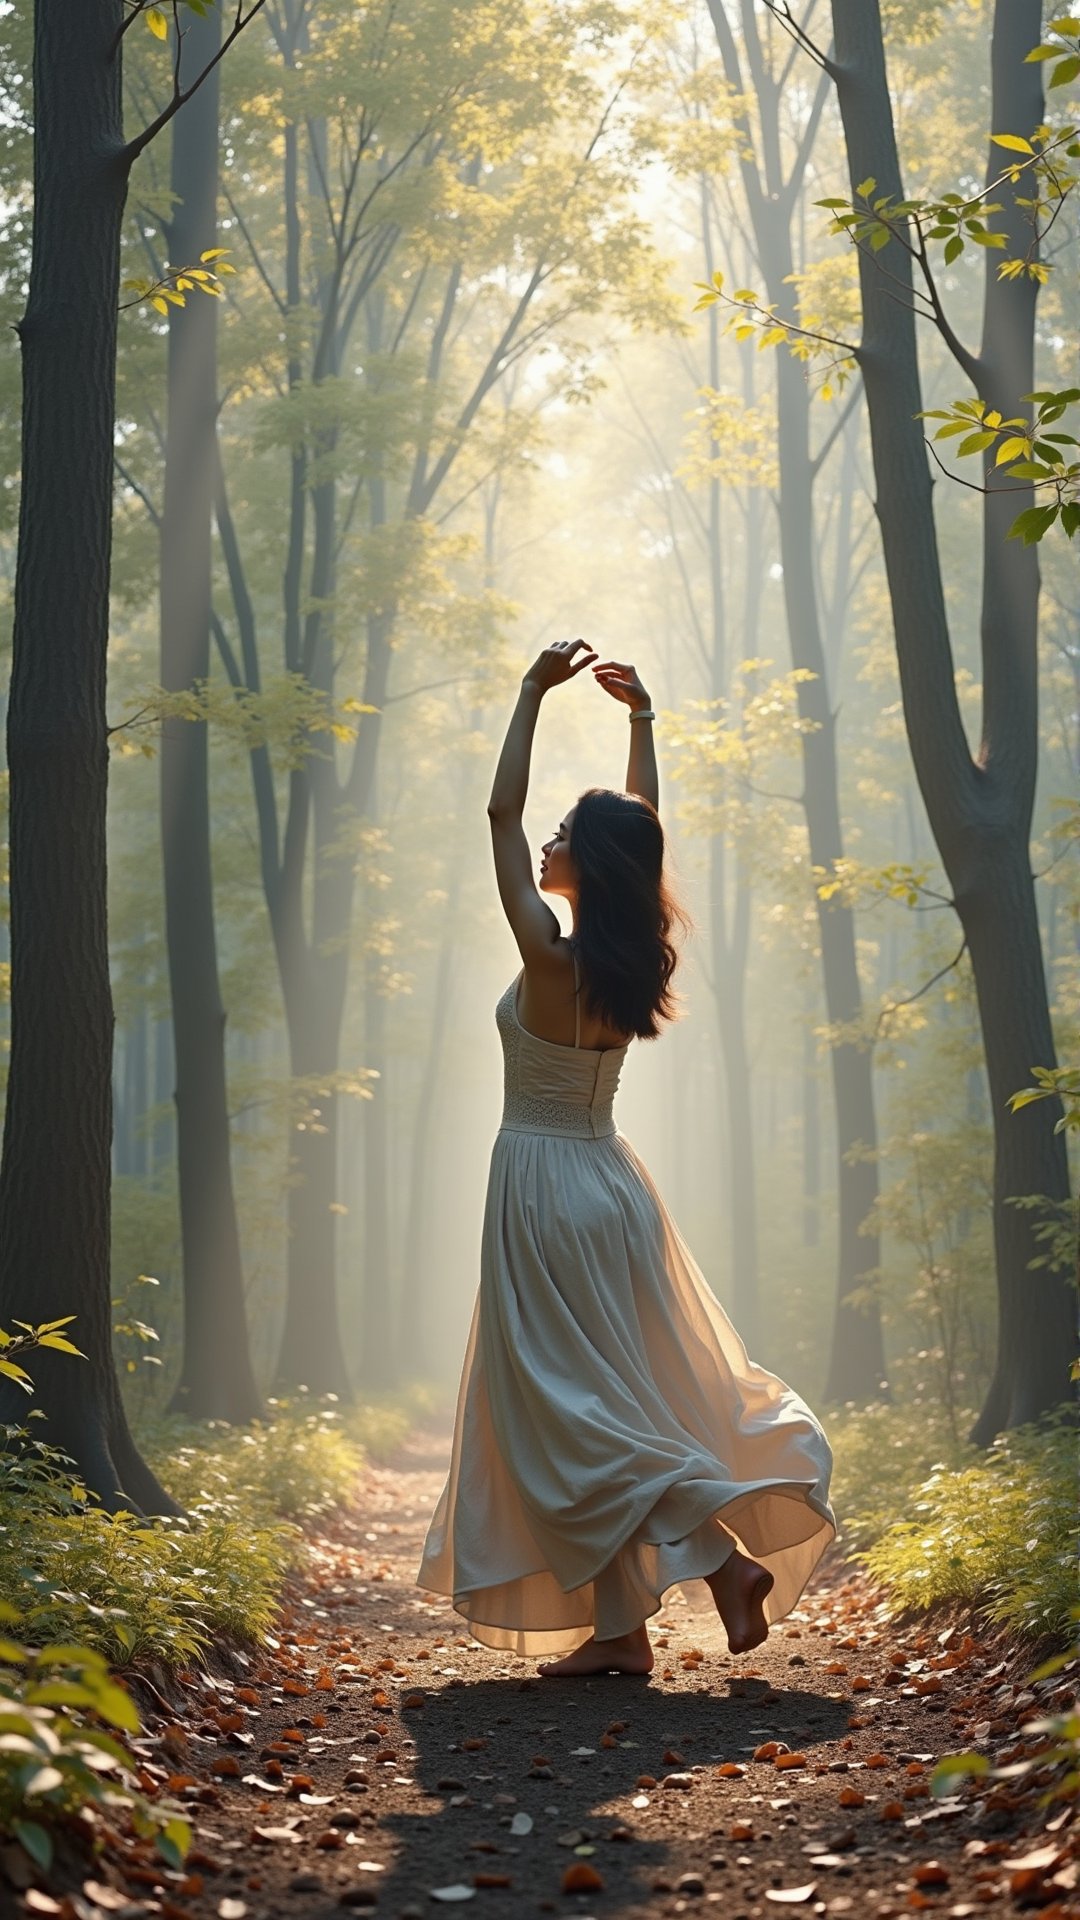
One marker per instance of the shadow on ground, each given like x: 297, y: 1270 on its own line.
x: 528, y: 1764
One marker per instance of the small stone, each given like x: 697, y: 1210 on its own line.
x: 358, y: 1896
x: 305, y: 1883
x: 448, y: 1785
x: 345, y: 1819
x: 718, y: 1861
x: 690, y: 1883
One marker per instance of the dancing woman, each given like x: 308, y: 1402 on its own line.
x: 612, y: 1437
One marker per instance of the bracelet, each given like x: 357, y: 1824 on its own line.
x: 643, y: 713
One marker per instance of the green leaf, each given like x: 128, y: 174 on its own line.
x: 174, y: 1841
x: 1013, y: 142
x: 1064, y: 72
x: 1070, y: 517
x: 953, y: 1766
x: 976, y: 443
x: 63, y: 1653
x: 1008, y: 450
x: 35, y: 1842
x: 157, y: 23
x: 1029, y: 470
x: 954, y: 247
x: 117, y: 1707
x: 866, y: 188
x: 1031, y: 525
x: 879, y: 238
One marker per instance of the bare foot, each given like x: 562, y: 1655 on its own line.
x: 630, y: 1653
x: 740, y: 1588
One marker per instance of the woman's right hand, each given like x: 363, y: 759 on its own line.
x: 557, y: 664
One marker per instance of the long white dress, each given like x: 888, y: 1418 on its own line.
x: 609, y: 1421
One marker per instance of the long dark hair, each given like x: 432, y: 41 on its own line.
x: 625, y: 912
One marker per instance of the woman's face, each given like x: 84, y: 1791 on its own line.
x: 557, y: 873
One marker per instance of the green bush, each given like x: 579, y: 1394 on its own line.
x: 882, y: 1456
x: 126, y: 1587
x: 1000, y: 1534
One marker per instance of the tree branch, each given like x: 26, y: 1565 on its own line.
x: 180, y: 95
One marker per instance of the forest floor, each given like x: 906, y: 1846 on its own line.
x: 374, y: 1758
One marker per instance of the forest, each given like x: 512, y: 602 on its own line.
x: 356, y: 351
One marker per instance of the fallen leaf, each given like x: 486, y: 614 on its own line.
x: 729, y: 1771
x: 582, y: 1878
x: 786, y: 1761
x: 229, y: 1909
x: 492, y: 1880
x: 931, y: 1874
x: 271, y: 1834
x: 851, y: 1797
x: 791, y: 1896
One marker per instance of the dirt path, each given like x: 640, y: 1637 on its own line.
x: 377, y: 1759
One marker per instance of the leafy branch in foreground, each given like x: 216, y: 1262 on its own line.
x: 1028, y: 453
x: 47, y: 1335
x: 54, y: 1763
x: 172, y: 286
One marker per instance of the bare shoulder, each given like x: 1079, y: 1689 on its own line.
x: 546, y: 994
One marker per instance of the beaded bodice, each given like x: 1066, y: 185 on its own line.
x: 550, y: 1088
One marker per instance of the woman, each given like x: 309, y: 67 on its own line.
x: 612, y: 1437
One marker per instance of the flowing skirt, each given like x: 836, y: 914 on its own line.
x: 611, y: 1433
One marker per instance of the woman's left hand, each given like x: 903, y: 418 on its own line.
x: 557, y: 663
x: 623, y: 682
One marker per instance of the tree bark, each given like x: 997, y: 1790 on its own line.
x: 216, y: 1380
x: 55, y: 1170
x: 979, y: 807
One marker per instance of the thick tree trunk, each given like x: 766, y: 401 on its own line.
x: 54, y: 1176
x: 979, y: 809
x: 216, y: 1380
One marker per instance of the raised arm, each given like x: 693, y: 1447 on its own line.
x: 534, y: 926
x: 622, y: 682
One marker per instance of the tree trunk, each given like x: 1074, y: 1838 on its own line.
x: 312, y: 1352
x: 857, y: 1359
x: 216, y: 1380
x: 54, y: 1176
x: 979, y: 809
x: 379, y: 1356
x: 811, y: 1138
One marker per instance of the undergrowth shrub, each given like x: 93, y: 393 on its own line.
x: 130, y: 1588
x: 882, y: 1456
x: 1000, y: 1534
